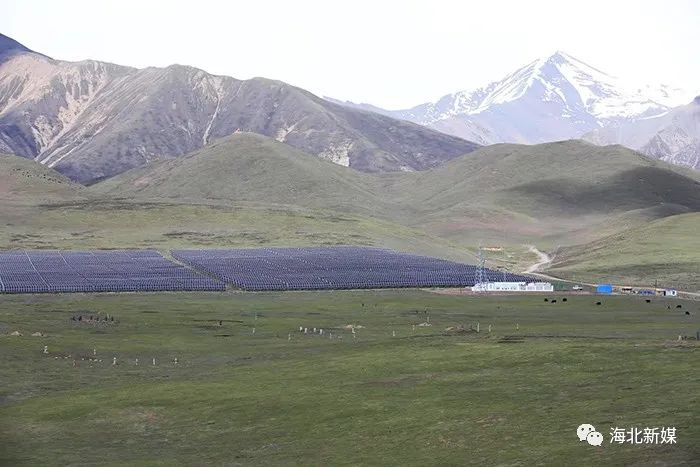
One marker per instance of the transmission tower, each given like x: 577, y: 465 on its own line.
x: 480, y: 274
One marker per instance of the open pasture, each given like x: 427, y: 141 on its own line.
x: 416, y: 385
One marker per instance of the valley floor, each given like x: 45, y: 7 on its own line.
x: 248, y: 388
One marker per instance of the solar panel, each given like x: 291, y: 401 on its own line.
x: 97, y: 271
x: 318, y: 268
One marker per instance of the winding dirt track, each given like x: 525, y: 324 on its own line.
x: 543, y: 257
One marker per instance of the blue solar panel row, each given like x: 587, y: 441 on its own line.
x: 332, y: 268
x: 97, y: 271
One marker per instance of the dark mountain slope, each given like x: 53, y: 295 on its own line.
x: 91, y: 120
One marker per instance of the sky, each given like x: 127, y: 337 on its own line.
x: 394, y: 54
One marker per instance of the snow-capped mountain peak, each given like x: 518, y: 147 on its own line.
x: 574, y: 83
x: 551, y: 98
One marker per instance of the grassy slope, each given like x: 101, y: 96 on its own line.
x: 537, y: 190
x: 162, y: 225
x: 24, y: 181
x: 553, y: 194
x: 667, y: 250
x: 416, y: 399
x: 270, y: 195
x: 253, y: 168
x: 548, y: 190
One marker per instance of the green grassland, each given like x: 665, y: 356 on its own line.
x: 427, y: 396
x: 553, y: 193
x: 23, y: 180
x: 665, y: 250
x: 252, y: 168
x: 512, y: 193
x: 95, y: 224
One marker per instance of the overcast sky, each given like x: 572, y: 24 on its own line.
x: 389, y: 53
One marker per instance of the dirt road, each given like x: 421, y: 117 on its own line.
x: 544, y: 259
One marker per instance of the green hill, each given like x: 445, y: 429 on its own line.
x: 665, y: 251
x: 247, y: 167
x: 556, y: 185
x: 549, y: 191
x: 245, y: 190
x: 23, y: 180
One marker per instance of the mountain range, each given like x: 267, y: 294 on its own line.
x: 91, y: 120
x: 558, y: 98
x: 673, y: 136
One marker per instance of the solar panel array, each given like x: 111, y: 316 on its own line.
x: 332, y: 268
x: 96, y: 271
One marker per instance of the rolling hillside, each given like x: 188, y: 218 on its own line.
x: 665, y: 250
x: 553, y: 193
x: 250, y: 196
x: 246, y: 167
x: 551, y: 188
x: 25, y: 181
x: 569, y: 179
x: 559, y: 179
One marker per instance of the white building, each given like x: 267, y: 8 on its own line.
x: 513, y: 287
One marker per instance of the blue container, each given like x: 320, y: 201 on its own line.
x: 604, y: 289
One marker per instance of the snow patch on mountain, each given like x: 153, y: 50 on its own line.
x: 552, y: 98
x: 673, y: 136
x: 603, y: 96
